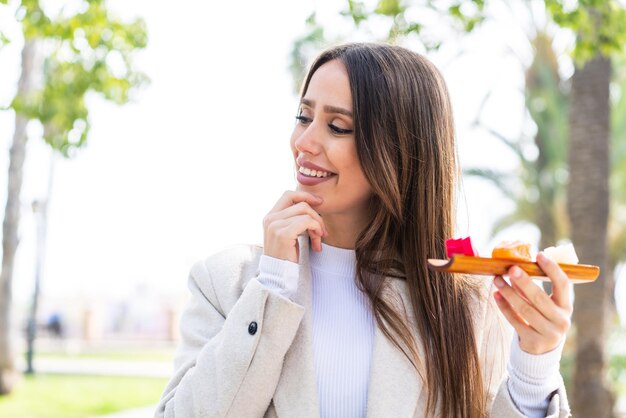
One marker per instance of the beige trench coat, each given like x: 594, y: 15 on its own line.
x: 226, y: 368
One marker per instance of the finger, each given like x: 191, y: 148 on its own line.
x: 523, y: 308
x: 285, y: 232
x: 297, y: 209
x: 560, y: 282
x: 316, y: 241
x: 291, y: 197
x: 514, y: 319
x: 530, y: 340
x: 534, y: 294
x: 298, y: 225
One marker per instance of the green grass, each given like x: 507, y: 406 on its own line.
x: 66, y: 396
x: 164, y: 355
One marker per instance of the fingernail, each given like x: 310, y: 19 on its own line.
x: 541, y: 255
x: 516, y: 272
x: 499, y: 282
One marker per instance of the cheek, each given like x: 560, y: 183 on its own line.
x: 359, y: 177
x: 356, y: 177
x: 352, y: 160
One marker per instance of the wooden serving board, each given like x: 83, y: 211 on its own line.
x: 577, y: 273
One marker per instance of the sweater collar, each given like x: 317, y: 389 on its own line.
x: 340, y: 261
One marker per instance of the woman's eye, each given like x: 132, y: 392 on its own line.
x: 338, y: 130
x: 303, y: 119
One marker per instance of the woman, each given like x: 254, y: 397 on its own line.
x: 337, y: 315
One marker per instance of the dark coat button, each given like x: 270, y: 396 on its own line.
x: 252, y: 328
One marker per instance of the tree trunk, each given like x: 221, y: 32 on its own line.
x: 588, y: 206
x: 8, y: 372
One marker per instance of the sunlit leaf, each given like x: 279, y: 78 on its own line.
x: 78, y: 64
x: 357, y: 10
x: 389, y: 8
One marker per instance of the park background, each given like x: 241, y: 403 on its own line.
x: 198, y: 156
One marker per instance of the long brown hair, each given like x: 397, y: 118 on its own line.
x: 405, y: 143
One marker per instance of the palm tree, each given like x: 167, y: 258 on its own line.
x: 588, y: 208
x: 545, y: 176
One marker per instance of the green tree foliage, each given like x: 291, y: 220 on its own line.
x: 416, y: 18
x: 607, y: 36
x: 412, y: 16
x: 402, y: 20
x: 90, y: 51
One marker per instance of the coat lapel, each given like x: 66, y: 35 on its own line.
x: 296, y: 393
x: 394, y: 384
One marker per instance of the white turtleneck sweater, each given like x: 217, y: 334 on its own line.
x: 343, y: 338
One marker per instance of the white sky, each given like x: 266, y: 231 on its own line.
x: 196, y: 162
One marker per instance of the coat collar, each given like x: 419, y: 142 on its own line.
x: 394, y: 385
x: 296, y: 393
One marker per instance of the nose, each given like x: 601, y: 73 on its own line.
x: 308, y: 138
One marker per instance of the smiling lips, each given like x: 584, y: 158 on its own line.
x: 314, y: 173
x: 310, y: 174
x: 310, y: 169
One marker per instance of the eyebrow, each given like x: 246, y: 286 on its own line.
x: 328, y: 109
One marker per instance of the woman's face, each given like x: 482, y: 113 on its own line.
x: 323, y: 140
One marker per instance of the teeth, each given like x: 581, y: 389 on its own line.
x: 313, y: 173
